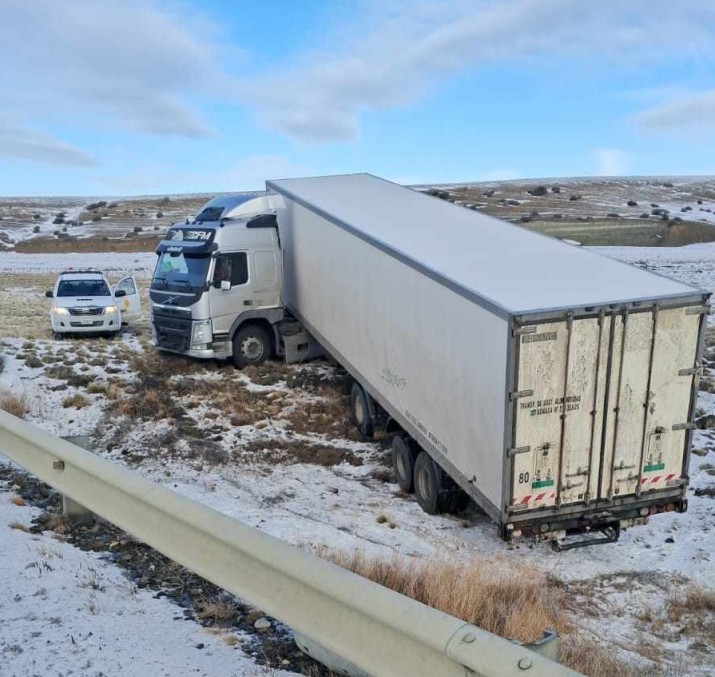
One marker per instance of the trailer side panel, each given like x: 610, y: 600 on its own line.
x: 433, y: 358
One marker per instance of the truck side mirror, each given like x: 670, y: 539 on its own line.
x: 225, y: 285
x: 119, y: 293
x: 48, y: 294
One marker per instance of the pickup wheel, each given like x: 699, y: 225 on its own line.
x: 429, y: 482
x: 360, y: 410
x: 403, y: 462
x: 251, y: 346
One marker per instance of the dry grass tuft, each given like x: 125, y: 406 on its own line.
x: 217, y: 610
x: 14, y: 404
x: 148, y: 404
x: 19, y: 526
x: 19, y: 501
x: 590, y: 659
x: 691, y: 613
x: 78, y: 401
x: 517, y: 602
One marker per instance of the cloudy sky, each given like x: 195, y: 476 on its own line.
x: 116, y: 97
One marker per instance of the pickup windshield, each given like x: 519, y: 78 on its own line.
x: 83, y: 288
x: 176, y: 271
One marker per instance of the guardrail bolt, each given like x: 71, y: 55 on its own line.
x: 525, y: 663
x: 58, y: 465
x: 469, y: 638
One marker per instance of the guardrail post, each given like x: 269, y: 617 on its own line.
x: 74, y: 512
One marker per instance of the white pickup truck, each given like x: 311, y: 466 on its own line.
x: 83, y: 302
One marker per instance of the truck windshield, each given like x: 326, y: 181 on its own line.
x: 83, y: 288
x: 177, y: 271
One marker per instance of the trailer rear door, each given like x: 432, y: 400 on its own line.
x: 601, y: 405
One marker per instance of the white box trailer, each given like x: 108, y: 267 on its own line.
x: 554, y: 385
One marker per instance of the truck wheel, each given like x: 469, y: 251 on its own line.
x: 403, y: 462
x: 360, y: 410
x: 429, y: 485
x: 251, y: 346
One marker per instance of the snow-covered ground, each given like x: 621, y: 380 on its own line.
x: 69, y: 612
x: 346, y: 506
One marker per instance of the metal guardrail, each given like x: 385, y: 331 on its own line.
x: 375, y: 630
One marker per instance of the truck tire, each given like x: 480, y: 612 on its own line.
x: 360, y: 410
x: 429, y: 483
x: 251, y: 346
x: 403, y: 462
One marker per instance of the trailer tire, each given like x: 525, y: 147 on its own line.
x: 251, y: 346
x: 403, y: 462
x: 429, y: 483
x: 361, y: 411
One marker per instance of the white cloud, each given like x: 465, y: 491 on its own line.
x: 408, y: 46
x: 23, y: 144
x: 108, y: 64
x: 611, y: 162
x: 692, y: 113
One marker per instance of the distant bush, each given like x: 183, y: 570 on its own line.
x: 137, y: 229
x: 160, y: 215
x: 97, y: 217
x: 36, y: 229
x: 37, y: 217
x: 57, y: 220
x: 632, y: 203
x: 556, y: 189
x: 538, y: 191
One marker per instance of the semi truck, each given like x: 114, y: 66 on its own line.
x: 552, y: 385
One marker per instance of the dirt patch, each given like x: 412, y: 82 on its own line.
x: 286, y: 452
x: 52, y: 245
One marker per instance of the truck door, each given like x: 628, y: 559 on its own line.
x: 649, y: 402
x: 557, y: 428
x: 265, y: 280
x: 229, y: 295
x: 129, y: 304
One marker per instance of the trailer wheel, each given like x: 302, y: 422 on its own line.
x: 361, y: 410
x: 429, y: 485
x: 403, y: 463
x: 251, y: 346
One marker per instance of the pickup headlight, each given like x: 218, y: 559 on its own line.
x: 201, y: 332
x: 60, y: 311
x: 110, y: 309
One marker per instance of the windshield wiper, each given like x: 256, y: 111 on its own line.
x: 188, y: 284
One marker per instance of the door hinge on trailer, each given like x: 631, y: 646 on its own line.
x: 684, y: 426
x: 518, y: 331
x: 516, y: 394
x: 698, y: 310
x: 518, y: 450
x: 692, y: 371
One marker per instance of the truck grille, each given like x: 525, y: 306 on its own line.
x: 86, y: 310
x: 96, y: 323
x: 173, y: 333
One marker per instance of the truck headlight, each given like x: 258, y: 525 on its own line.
x: 60, y: 311
x: 201, y: 332
x: 110, y: 309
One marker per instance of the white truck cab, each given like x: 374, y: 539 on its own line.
x: 83, y: 302
x: 217, y: 286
